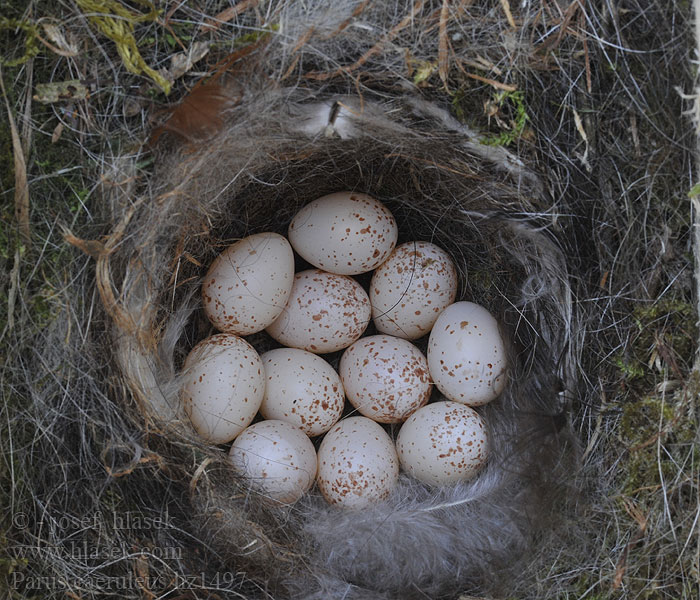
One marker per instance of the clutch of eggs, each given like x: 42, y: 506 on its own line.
x: 251, y: 286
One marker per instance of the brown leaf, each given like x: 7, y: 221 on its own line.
x: 620, y: 569
x: 492, y: 82
x: 636, y: 513
x: 226, y: 15
x: 641, y: 519
x: 21, y: 183
x: 199, y: 116
x: 142, y: 572
x: 93, y: 248
x: 443, y: 56
x: 56, y: 135
x: 509, y: 15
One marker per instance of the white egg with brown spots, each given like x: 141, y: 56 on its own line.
x: 385, y: 378
x: 302, y: 389
x: 411, y: 288
x: 325, y: 312
x: 345, y: 233
x: 248, y: 284
x: 443, y: 443
x: 357, y: 464
x: 466, y: 354
x: 223, y: 387
x: 277, y: 458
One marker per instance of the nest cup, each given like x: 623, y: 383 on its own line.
x: 478, y: 203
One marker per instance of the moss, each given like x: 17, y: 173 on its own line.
x: 630, y: 370
x: 644, y: 425
x: 588, y: 586
x: 55, y: 184
x: 43, y: 307
x: 666, y: 306
x: 30, y: 44
x: 665, y: 341
x: 7, y: 164
x: 509, y: 110
x: 8, y: 567
x: 254, y: 36
x: 502, y: 113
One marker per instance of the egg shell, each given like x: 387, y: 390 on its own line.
x: 345, y: 233
x: 385, y: 378
x: 223, y: 386
x: 411, y: 288
x: 277, y: 457
x: 325, y: 313
x: 443, y: 443
x: 357, y: 464
x: 466, y: 354
x: 248, y: 284
x: 302, y: 389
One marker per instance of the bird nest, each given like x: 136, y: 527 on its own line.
x: 442, y: 186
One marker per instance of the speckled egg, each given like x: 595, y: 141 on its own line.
x: 248, y: 284
x: 385, y: 378
x: 345, y: 233
x: 223, y: 387
x: 302, y: 389
x: 278, y: 458
x: 357, y: 464
x: 325, y: 313
x: 466, y: 354
x: 411, y: 288
x: 443, y: 443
